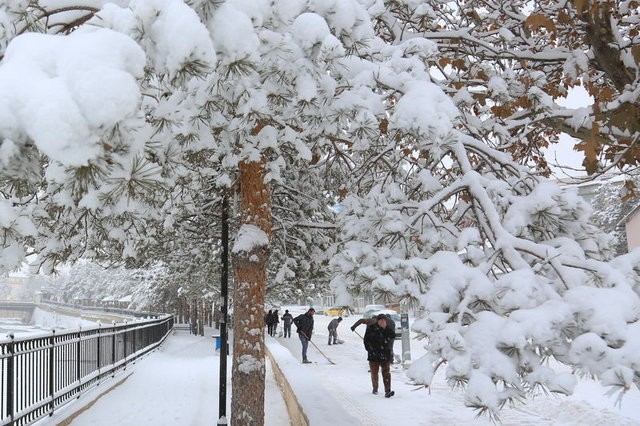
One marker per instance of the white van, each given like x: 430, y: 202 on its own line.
x: 370, y: 309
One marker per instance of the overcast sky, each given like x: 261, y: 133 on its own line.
x: 563, y: 153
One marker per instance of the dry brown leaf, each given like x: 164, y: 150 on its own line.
x: 581, y: 5
x: 635, y: 51
x: 538, y: 20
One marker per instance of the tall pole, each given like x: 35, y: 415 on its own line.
x: 224, y: 293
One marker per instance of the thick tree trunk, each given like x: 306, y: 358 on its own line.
x: 247, y: 403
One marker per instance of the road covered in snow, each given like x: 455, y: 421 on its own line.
x: 349, y: 381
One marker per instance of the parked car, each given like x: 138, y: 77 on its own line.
x: 370, y: 309
x: 339, y: 311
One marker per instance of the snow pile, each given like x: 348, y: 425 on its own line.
x: 56, y: 321
x: 62, y: 92
x: 173, y: 33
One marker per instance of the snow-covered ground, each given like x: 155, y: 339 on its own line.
x: 178, y: 385
x: 45, y: 320
x: 349, y: 381
x: 174, y: 385
x: 42, y: 322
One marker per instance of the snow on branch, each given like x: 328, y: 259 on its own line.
x: 504, y: 264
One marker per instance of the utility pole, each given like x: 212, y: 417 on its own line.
x: 224, y: 293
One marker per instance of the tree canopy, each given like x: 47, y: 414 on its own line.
x: 123, y: 126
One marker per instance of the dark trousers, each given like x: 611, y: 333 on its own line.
x: 385, y: 366
x: 287, y: 330
x: 305, y: 345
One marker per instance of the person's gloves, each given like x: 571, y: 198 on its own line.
x: 353, y: 328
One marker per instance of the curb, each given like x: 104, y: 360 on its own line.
x: 296, y: 413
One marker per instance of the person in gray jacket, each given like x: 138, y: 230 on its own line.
x: 333, y: 330
x: 287, y: 320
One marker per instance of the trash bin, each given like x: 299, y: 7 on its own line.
x: 218, y: 341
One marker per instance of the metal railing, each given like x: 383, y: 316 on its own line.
x: 40, y: 374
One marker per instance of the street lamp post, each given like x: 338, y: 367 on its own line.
x: 224, y: 293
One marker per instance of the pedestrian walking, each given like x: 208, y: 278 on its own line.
x: 287, y: 320
x: 268, y: 320
x: 304, y: 324
x: 276, y: 320
x: 376, y: 342
x: 333, y: 330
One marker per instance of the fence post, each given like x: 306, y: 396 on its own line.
x: 52, y: 389
x: 78, y: 360
x: 113, y: 349
x: 98, y: 349
x: 10, y: 379
x: 124, y: 338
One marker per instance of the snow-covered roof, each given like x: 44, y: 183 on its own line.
x: 125, y: 299
x: 628, y: 216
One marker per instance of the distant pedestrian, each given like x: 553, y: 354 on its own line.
x: 268, y: 320
x: 276, y: 320
x: 333, y: 330
x: 376, y: 342
x: 287, y: 320
x: 304, y: 324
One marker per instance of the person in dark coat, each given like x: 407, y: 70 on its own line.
x: 287, y: 320
x: 304, y: 324
x: 376, y: 342
x: 268, y: 320
x: 276, y: 320
x: 333, y: 330
x: 368, y: 321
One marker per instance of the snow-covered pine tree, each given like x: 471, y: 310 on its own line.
x: 504, y: 263
x: 86, y: 280
x: 508, y: 65
x: 151, y: 113
x: 303, y: 233
x: 148, y: 102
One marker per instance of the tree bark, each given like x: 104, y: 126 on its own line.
x: 247, y: 402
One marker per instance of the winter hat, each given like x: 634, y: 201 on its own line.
x: 311, y: 310
x: 339, y: 318
x: 381, y: 316
x: 286, y: 311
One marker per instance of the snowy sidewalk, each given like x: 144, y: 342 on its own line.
x: 178, y: 385
x: 174, y: 385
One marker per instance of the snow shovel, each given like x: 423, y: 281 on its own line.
x: 316, y: 346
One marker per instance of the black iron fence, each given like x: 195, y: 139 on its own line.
x: 40, y: 374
